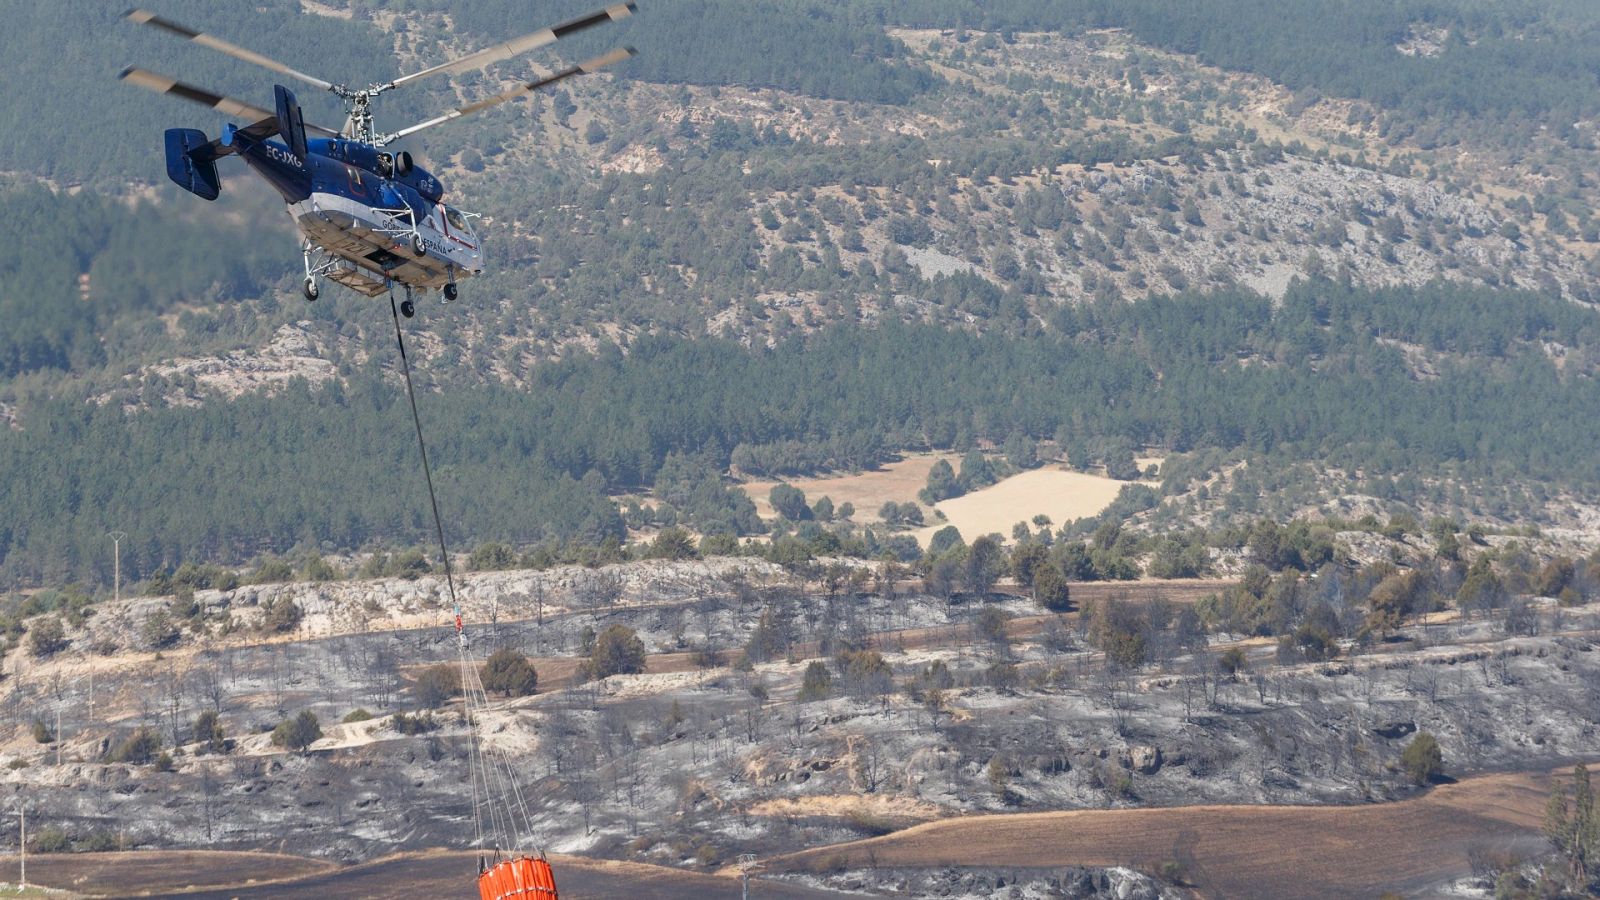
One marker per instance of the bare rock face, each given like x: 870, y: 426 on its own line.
x: 1144, y: 759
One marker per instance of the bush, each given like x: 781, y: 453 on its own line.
x: 139, y: 748
x: 299, y: 732
x: 1050, y: 589
x: 672, y: 543
x: 42, y: 732
x: 509, y: 672
x: 47, y: 637
x: 281, y: 615
x: 617, y: 651
x: 492, y: 557
x: 356, y: 715
x: 1422, y: 758
x: 420, y: 723
x: 50, y: 839
x: 271, y: 570
x: 208, y: 732
x: 817, y: 683
x: 437, y: 684
x: 158, y: 631
x: 789, y: 502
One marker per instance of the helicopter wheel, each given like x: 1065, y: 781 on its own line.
x: 417, y: 246
x: 310, y: 289
x: 450, y: 292
x: 407, y: 308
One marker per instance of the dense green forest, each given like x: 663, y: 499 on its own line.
x: 1224, y: 370
x: 72, y: 269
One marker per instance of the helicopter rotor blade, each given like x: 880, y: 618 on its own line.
x: 523, y: 90
x: 521, y: 45
x: 228, y: 106
x: 144, y: 17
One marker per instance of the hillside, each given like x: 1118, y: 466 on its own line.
x: 1026, y: 180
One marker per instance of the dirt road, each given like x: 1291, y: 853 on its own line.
x: 441, y: 874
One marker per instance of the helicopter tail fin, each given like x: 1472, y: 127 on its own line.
x: 291, y: 124
x: 192, y: 163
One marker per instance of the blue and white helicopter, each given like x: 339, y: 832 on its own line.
x: 369, y: 218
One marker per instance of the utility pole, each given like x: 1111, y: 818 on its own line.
x: 59, y: 741
x: 747, y: 864
x: 117, y: 537
x: 22, y: 845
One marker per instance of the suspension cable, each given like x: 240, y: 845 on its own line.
x: 444, y: 554
x: 427, y: 471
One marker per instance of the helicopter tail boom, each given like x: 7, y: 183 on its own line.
x: 192, y: 158
x: 192, y: 162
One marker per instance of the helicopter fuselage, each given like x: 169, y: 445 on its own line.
x: 374, y: 216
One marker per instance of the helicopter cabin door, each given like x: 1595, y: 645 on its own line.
x: 456, y: 227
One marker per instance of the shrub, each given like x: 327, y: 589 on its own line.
x: 617, y: 651
x: 1232, y: 661
x: 47, y: 637
x: 491, y: 557
x: 1422, y: 758
x: 208, y: 732
x: 817, y: 683
x: 356, y: 715
x: 420, y: 723
x: 297, y: 733
x: 1051, y: 589
x: 51, y: 839
x: 509, y: 672
x: 281, y: 615
x: 158, y: 631
x: 42, y: 732
x: 138, y: 748
x: 437, y: 684
x: 272, y: 570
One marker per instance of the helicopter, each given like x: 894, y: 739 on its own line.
x: 368, y: 217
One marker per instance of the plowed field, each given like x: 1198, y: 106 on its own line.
x: 1237, y: 851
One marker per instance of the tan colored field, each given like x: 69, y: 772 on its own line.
x: 230, y: 876
x: 160, y: 873
x: 1237, y: 851
x: 1059, y: 494
x: 897, y: 481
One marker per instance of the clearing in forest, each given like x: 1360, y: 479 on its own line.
x: 1057, y: 493
x: 898, y: 481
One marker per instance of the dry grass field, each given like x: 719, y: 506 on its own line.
x: 1055, y: 492
x: 1237, y: 851
x: 898, y: 481
x: 160, y: 873
x: 1059, y: 494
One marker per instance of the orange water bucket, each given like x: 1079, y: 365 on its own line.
x: 515, y: 879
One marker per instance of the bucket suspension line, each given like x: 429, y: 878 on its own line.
x: 491, y: 771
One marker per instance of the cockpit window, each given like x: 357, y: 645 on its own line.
x: 457, y: 221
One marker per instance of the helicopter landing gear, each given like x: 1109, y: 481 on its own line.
x: 319, y: 262
x: 407, y: 308
x: 417, y: 247
x: 450, y: 292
